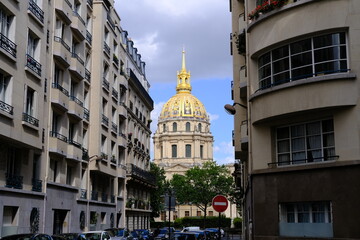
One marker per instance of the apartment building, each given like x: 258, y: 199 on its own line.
x: 75, y: 116
x: 296, y: 113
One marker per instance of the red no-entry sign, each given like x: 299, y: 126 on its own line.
x: 220, y: 203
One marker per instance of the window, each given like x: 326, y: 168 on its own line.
x: 306, y: 143
x: 5, y: 22
x: 173, y: 151
x: 69, y: 175
x: 211, y: 213
x: 164, y: 128
x: 33, y: 53
x: 187, y: 213
x: 310, y: 219
x: 201, y: 151
x: 5, y: 89
x: 187, y: 127
x: 58, y: 76
x: 54, y: 170
x: 199, y: 127
x: 188, y: 150
x: 33, y: 41
x: 198, y: 213
x: 7, y: 32
x: 30, y: 105
x: 59, y: 28
x: 174, y: 127
x: 310, y: 57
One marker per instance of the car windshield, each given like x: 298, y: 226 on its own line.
x: 121, y: 232
x: 163, y: 231
x: 18, y: 237
x: 93, y: 236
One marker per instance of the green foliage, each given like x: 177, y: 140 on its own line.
x: 156, y: 201
x: 200, y: 185
x: 237, y: 222
x: 157, y: 225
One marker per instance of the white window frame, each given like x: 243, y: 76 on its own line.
x: 30, y: 107
x: 5, y: 88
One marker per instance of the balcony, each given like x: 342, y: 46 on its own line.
x: 114, y: 128
x: 78, y: 26
x: 77, y: 66
x: 14, y: 181
x: 64, y: 9
x: 36, y: 185
x: 94, y: 195
x: 58, y: 143
x: 83, y: 194
x: 6, y: 108
x: 115, y: 60
x: 76, y: 107
x: 86, y: 114
x: 104, y: 156
x: 122, y: 110
x: 85, y: 154
x: 104, y: 197
x: 113, y: 159
x: 107, y: 49
x: 88, y: 37
x: 7, y: 45
x: 36, y: 11
x: 33, y: 65
x: 74, y: 150
x: 106, y: 84
x: 61, y: 50
x: 90, y: 3
x: 105, y: 121
x: 87, y: 75
x: 115, y: 94
x: 60, y: 96
x: 30, y: 121
x: 110, y: 22
x: 137, y: 173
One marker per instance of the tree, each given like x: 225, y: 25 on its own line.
x: 200, y: 185
x: 156, y: 199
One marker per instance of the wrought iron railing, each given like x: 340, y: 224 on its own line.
x: 86, y: 114
x: 105, y: 120
x: 76, y: 14
x: 113, y: 159
x: 112, y: 197
x: 33, y: 64
x: 104, y: 197
x: 87, y: 75
x: 106, y: 84
x: 114, y: 127
x: 88, y: 37
x: 6, y: 108
x: 85, y: 154
x: 68, y: 3
x: 74, y: 143
x: 14, y: 181
x: 58, y: 136
x: 36, y: 10
x: 94, y: 195
x: 60, y: 40
x: 36, y: 185
x: 115, y: 60
x: 78, y: 58
x: 115, y: 93
x: 83, y: 193
x: 106, y: 48
x: 63, y: 90
x: 90, y: 2
x: 7, y: 45
x: 139, y: 173
x: 30, y: 119
x: 75, y: 99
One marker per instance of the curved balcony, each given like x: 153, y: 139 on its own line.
x: 61, y: 51
x: 270, y: 102
x: 122, y: 110
x: 58, y: 143
x: 76, y: 108
x: 64, y: 9
x: 60, y: 97
x: 77, y: 66
x: 78, y: 26
x: 74, y: 150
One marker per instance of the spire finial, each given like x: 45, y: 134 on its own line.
x: 183, y: 68
x: 183, y: 77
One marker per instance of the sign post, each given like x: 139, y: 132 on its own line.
x: 220, y: 204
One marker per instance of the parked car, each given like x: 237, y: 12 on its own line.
x: 68, y: 236
x: 144, y: 234
x: 216, y: 230
x: 97, y: 235
x: 120, y: 233
x: 164, y: 234
x: 189, y: 236
x: 188, y: 229
x: 27, y: 236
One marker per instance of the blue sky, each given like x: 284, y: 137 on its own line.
x: 160, y: 29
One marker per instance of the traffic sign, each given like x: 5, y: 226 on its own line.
x: 220, y: 203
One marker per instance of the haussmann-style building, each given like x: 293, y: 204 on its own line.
x: 296, y: 117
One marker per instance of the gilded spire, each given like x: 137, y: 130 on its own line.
x: 183, y: 77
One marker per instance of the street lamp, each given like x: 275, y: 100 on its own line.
x: 90, y: 159
x: 230, y: 109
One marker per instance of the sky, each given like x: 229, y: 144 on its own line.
x: 160, y: 30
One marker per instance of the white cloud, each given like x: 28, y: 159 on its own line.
x: 224, y: 147
x: 155, y: 115
x: 147, y: 46
x: 213, y: 117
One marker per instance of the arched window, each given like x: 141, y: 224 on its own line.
x: 173, y: 151
x: 164, y: 128
x: 188, y: 150
x: 201, y: 151
x: 187, y: 126
x: 174, y: 127
x: 200, y: 127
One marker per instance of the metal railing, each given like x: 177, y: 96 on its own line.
x: 68, y: 3
x: 33, y: 64
x: 78, y: 58
x: 86, y: 114
x: 106, y: 84
x: 63, y: 90
x: 94, y: 195
x: 75, y: 99
x: 36, y: 185
x: 36, y: 10
x: 110, y: 21
x: 14, y: 181
x: 30, y: 119
x: 87, y: 75
x: 104, y: 197
x: 106, y: 48
x: 115, y: 93
x: 6, y: 108
x: 105, y: 120
x: 83, y: 193
x: 7, y: 45
x: 139, y: 173
x: 60, y: 40
x: 76, y: 14
x: 58, y: 136
x: 90, y: 2
x: 85, y: 154
x: 114, y: 127
x: 74, y: 143
x: 88, y: 37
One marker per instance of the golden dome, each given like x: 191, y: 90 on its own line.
x: 183, y: 103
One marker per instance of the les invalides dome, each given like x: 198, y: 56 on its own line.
x: 183, y: 138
